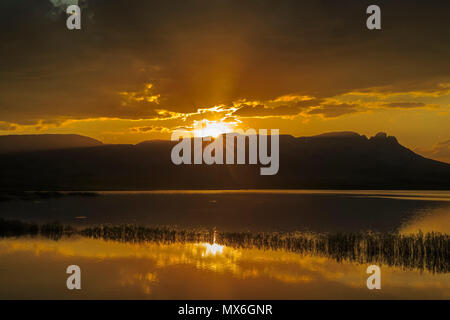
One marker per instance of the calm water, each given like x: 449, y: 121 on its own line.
x: 316, y: 211
x: 35, y: 267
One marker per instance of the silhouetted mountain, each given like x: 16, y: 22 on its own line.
x: 38, y: 142
x: 336, y: 160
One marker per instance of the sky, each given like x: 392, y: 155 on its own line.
x: 138, y: 70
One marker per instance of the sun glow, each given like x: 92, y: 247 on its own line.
x: 213, y: 249
x: 208, y: 128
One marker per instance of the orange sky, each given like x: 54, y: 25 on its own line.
x: 137, y: 72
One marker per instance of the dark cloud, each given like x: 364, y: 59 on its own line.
x: 291, y: 108
x: 262, y: 111
x: 405, y: 105
x: 334, y: 110
x: 146, y: 129
x: 202, y: 53
x: 308, y: 103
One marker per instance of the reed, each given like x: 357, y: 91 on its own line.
x: 429, y: 251
x: 53, y: 230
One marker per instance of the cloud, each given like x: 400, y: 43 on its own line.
x: 427, y: 88
x: 147, y: 129
x: 5, y: 126
x: 199, y: 54
x: 145, y: 95
x: 39, y: 125
x: 334, y: 110
x: 404, y: 105
x: 260, y: 111
x: 285, y: 106
x: 63, y: 3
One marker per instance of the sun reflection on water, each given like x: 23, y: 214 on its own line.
x: 213, y: 249
x: 161, y: 270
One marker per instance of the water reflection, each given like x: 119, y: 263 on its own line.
x: 200, y: 270
x: 420, y: 251
x: 436, y: 221
x: 258, y: 253
x: 238, y: 210
x: 213, y: 249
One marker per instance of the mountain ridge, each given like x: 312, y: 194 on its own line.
x: 329, y: 162
x: 40, y: 142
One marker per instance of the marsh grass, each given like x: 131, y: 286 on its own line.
x: 138, y: 234
x: 429, y: 251
x: 53, y: 230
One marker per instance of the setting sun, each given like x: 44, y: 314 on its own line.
x: 207, y: 128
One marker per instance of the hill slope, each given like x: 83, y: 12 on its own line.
x: 344, y: 160
x: 38, y: 142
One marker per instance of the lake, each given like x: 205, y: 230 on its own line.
x: 34, y: 266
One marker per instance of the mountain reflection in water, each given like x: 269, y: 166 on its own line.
x: 112, y: 269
